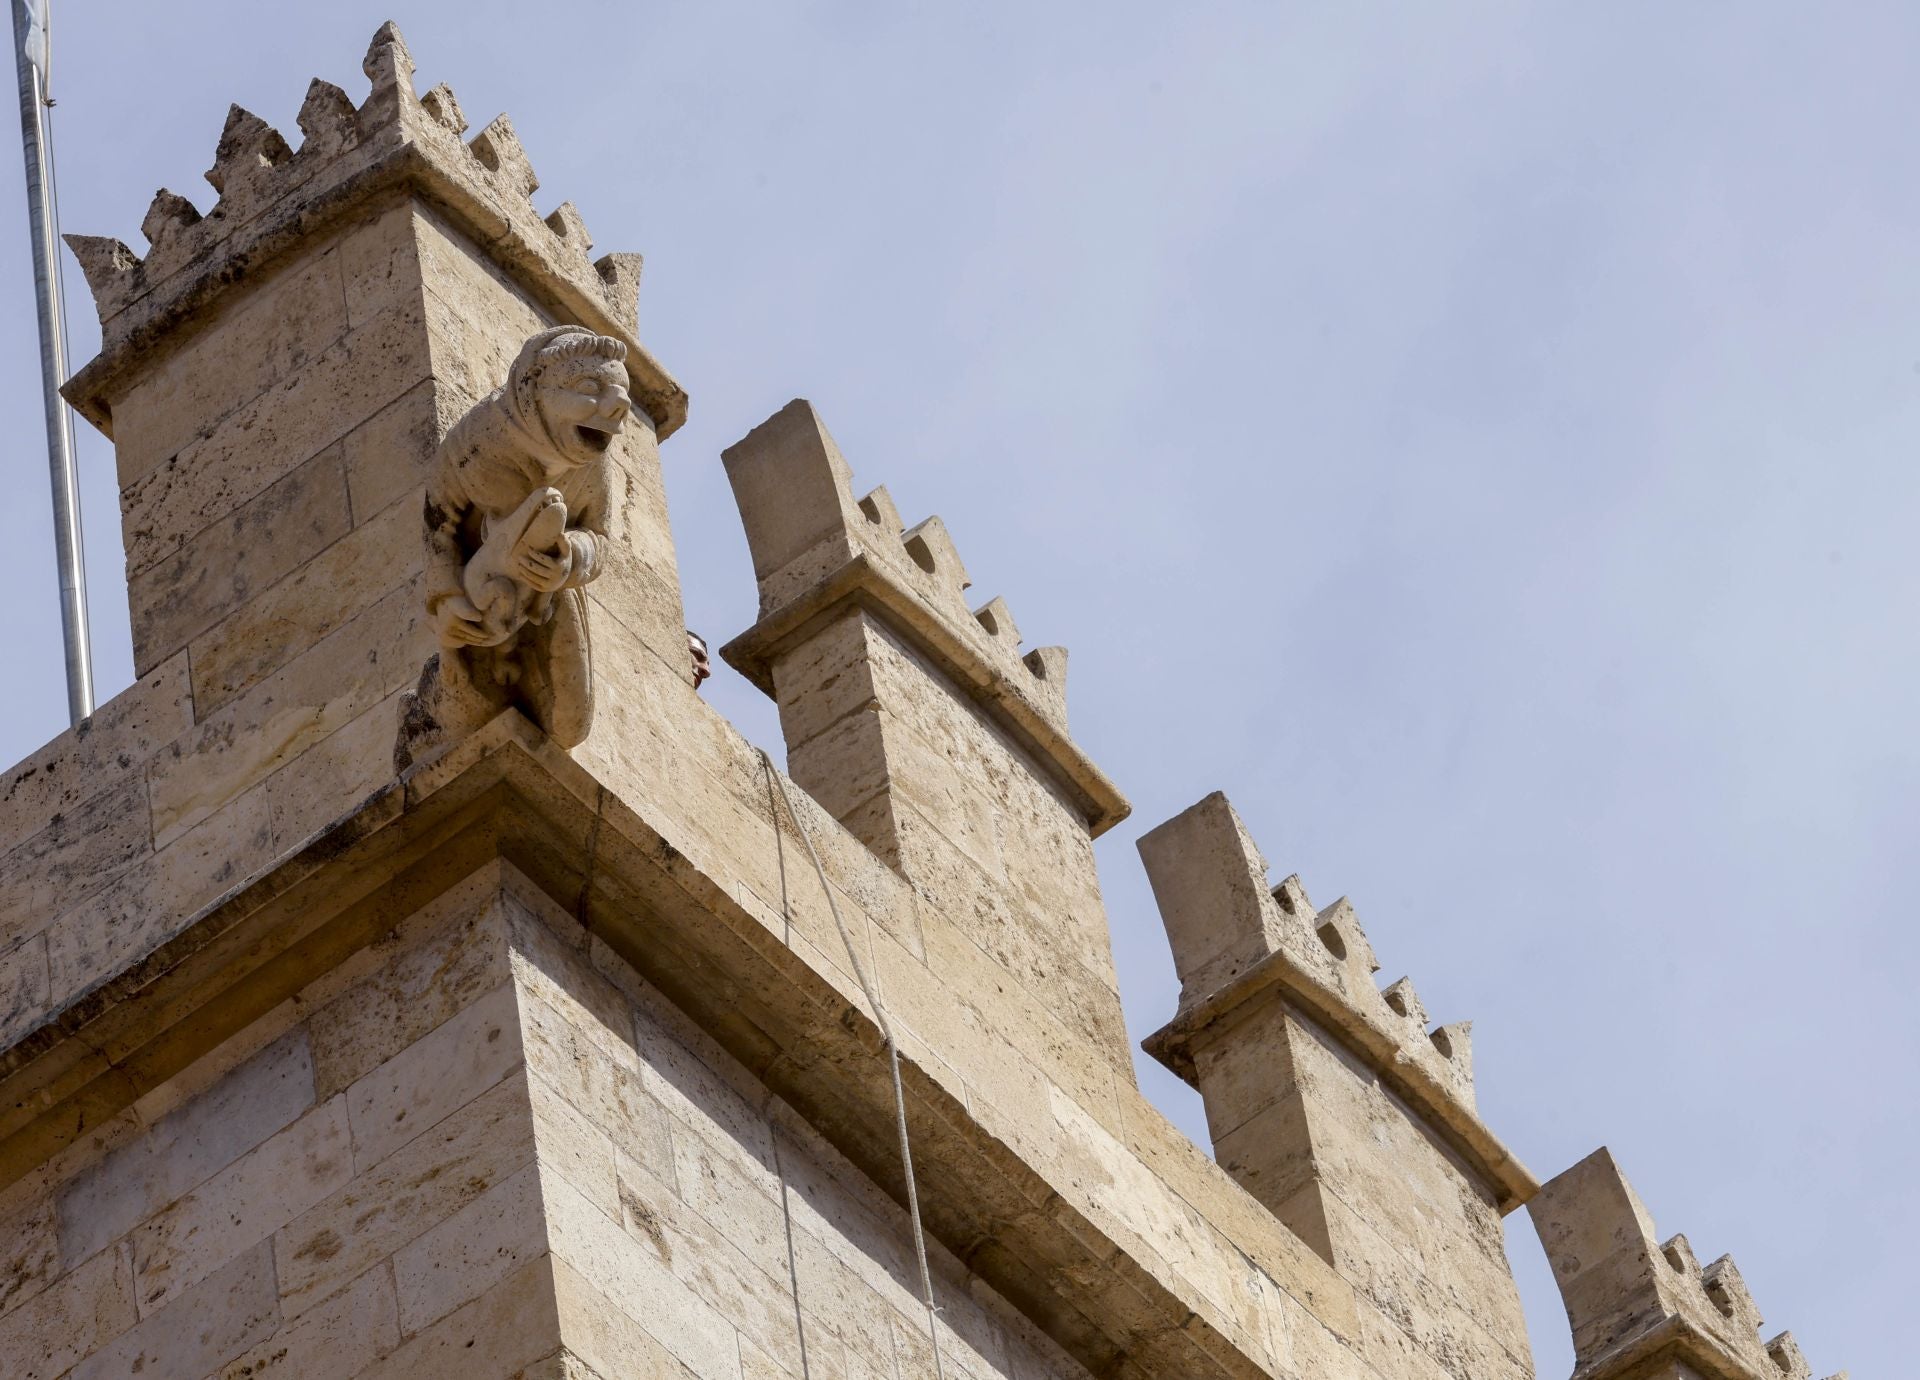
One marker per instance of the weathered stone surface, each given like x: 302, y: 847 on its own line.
x: 302, y: 704
x: 476, y: 1248
x: 275, y: 333
x: 29, y: 1252
x: 79, y: 851
x: 339, y: 1339
x: 243, y: 1204
x: 495, y: 1337
x: 92, y: 1304
x: 545, y: 1056
x: 436, y: 1075
x: 239, y: 557
x: 89, y: 758
x: 187, y: 1147
x: 326, y: 592
x: 393, y: 1202
x: 270, y: 437
x: 216, y: 1321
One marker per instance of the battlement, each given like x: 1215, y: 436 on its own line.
x: 817, y: 548
x: 274, y: 198
x: 1238, y: 940
x: 1634, y: 1302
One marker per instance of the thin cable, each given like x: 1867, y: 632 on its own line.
x: 793, y: 1261
x: 893, y: 1064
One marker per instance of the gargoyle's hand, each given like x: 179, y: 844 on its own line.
x: 459, y: 623
x: 545, y: 571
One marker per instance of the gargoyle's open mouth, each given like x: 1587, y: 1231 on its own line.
x: 593, y: 438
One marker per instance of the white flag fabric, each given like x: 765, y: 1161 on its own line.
x: 34, y: 40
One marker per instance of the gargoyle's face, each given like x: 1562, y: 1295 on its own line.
x: 582, y: 406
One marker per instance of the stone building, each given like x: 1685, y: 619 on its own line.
x: 410, y: 975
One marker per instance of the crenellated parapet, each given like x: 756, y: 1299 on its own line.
x: 914, y: 718
x: 817, y: 548
x: 1237, y: 939
x: 1639, y: 1306
x: 1335, y: 1102
x: 274, y: 198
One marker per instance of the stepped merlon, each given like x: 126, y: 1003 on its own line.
x: 1642, y: 1307
x: 816, y: 548
x: 1236, y: 939
x: 274, y: 199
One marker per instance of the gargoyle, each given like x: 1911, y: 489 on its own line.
x: 516, y: 524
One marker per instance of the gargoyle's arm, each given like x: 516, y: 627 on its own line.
x: 444, y: 511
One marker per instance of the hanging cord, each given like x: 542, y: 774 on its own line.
x: 893, y: 1063
x: 793, y: 1257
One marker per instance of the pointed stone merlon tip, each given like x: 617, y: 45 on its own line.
x: 327, y: 119
x: 620, y: 275
x: 1617, y: 1284
x: 795, y: 494
x: 1785, y: 1354
x: 167, y: 215
x: 111, y: 270
x: 249, y: 148
x: 1599, y: 1239
x: 388, y: 63
x: 501, y: 153
x: 1210, y: 883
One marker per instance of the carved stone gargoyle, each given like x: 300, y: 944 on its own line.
x: 516, y: 524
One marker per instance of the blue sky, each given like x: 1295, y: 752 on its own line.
x: 1478, y: 438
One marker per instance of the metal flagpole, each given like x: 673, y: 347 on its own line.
x: 30, y: 51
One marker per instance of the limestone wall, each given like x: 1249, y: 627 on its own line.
x: 478, y: 1143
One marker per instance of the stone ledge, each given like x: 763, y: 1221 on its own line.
x: 866, y: 583
x: 1670, y: 1339
x: 1279, y: 976
x: 506, y: 792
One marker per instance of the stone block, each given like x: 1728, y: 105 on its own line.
x: 610, y: 1093
x: 29, y: 1252
x: 268, y: 438
x: 322, y: 594
x: 186, y: 1147
x: 434, y: 1076
x: 45, y: 1337
x: 98, y: 752
x: 307, y: 700
x: 573, y: 1147
x: 337, y: 1340
x: 639, y: 1285
x: 243, y: 1204
x: 470, y: 1252
x: 239, y: 557
x: 277, y: 330
x: 79, y: 851
x: 388, y: 455
x: 606, y: 1336
x: 458, y: 955
x: 495, y: 1337
x: 394, y: 1202
x: 327, y: 782
x: 228, y: 1312
x: 26, y: 990
x: 147, y: 905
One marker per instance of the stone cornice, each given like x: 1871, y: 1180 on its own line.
x: 873, y: 585
x: 803, y: 1029
x: 1281, y: 976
